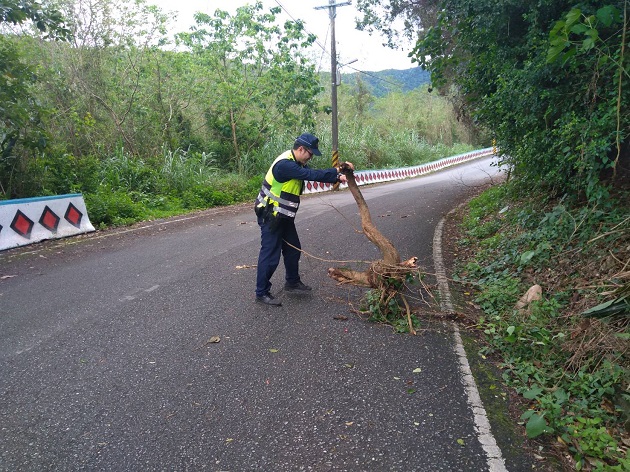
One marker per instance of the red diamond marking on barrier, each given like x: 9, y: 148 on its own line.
x: 22, y: 225
x: 309, y: 186
x: 73, y: 215
x: 49, y: 220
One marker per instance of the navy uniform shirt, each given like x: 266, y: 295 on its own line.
x: 286, y: 169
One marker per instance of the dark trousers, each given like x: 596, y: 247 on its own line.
x: 277, y: 237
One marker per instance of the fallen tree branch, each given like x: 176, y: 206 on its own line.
x: 387, y: 275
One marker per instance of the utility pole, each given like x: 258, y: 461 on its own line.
x: 332, y: 12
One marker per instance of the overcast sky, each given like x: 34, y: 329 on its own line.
x: 371, y: 55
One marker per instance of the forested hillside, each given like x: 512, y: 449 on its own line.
x: 99, y: 97
x: 390, y: 80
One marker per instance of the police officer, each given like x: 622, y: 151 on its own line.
x: 276, y: 206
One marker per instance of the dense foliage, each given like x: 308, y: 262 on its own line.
x: 20, y: 112
x: 116, y: 85
x: 147, y: 125
x: 548, y: 78
x: 570, y: 366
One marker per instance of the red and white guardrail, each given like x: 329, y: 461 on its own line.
x: 364, y: 177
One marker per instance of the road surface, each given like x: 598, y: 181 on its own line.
x: 107, y: 361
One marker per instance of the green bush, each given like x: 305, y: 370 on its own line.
x: 516, y: 243
x: 123, y: 171
x: 192, y: 200
x: 111, y: 207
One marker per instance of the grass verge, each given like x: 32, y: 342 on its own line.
x: 571, y: 370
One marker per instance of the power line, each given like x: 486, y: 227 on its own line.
x: 323, y: 47
x: 373, y: 76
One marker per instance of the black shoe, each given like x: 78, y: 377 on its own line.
x: 298, y: 287
x: 268, y: 300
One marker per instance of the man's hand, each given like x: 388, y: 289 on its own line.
x: 345, y: 167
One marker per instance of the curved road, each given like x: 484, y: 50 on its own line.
x: 106, y: 361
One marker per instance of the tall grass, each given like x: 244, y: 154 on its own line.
x: 369, y: 148
x: 398, y: 130
x: 182, y: 170
x: 134, y: 188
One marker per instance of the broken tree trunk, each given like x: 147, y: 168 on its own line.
x: 389, y: 266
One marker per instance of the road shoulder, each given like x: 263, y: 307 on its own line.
x: 502, y: 406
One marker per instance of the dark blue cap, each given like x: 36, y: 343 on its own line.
x: 309, y: 141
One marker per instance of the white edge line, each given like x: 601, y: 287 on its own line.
x: 488, y: 443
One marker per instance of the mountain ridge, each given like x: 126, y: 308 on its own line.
x: 382, y: 82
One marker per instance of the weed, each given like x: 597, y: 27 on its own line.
x: 520, y: 242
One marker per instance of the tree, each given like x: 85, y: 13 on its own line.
x: 106, y: 76
x: 46, y: 20
x: 256, y: 76
x: 360, y: 99
x: 549, y: 80
x: 20, y: 112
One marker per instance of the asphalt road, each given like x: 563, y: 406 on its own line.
x: 106, y: 364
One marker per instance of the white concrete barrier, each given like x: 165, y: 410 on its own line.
x: 364, y: 177
x: 28, y: 220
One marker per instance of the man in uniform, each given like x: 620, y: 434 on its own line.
x: 276, y: 206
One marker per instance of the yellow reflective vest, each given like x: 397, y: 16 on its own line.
x: 283, y: 196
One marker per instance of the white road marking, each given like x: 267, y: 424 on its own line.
x: 482, y: 425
